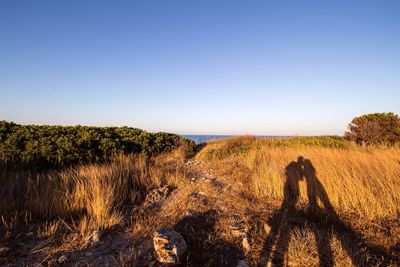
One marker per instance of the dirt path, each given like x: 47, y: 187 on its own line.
x: 214, y: 217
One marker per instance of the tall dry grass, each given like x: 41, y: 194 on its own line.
x: 356, y: 179
x: 96, y: 195
x: 366, y: 182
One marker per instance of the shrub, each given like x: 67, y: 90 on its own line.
x: 376, y: 128
x: 38, y: 146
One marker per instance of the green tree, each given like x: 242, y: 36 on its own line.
x: 375, y: 128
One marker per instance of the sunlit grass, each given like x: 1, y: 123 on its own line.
x: 357, y: 179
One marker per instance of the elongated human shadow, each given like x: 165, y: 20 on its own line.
x: 324, y: 222
x: 279, y: 237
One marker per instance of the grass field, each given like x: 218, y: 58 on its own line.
x: 81, y: 198
x: 356, y: 179
x: 347, y: 187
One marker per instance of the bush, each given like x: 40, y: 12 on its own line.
x: 376, y: 128
x: 32, y: 145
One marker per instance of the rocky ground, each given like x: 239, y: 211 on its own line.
x: 207, y: 220
x: 207, y: 211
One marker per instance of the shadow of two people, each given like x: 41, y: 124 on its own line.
x: 277, y: 243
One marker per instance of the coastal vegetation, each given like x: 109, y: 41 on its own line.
x: 96, y: 195
x: 62, y: 207
x: 375, y: 128
x: 38, y: 146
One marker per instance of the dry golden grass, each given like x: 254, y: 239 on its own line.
x: 362, y: 181
x: 304, y: 252
x: 244, y: 188
x: 357, y: 180
x: 356, y: 188
x: 93, y: 196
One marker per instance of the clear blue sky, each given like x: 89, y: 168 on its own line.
x: 206, y: 67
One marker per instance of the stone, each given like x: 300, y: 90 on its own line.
x: 169, y: 246
x: 62, y: 259
x: 94, y: 237
x: 155, y: 196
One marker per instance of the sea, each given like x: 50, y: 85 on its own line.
x: 200, y: 139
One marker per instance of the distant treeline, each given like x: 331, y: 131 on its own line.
x: 33, y: 145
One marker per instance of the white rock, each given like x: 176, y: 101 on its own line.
x: 169, y: 246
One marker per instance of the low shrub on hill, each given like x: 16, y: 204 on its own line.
x: 37, y: 146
